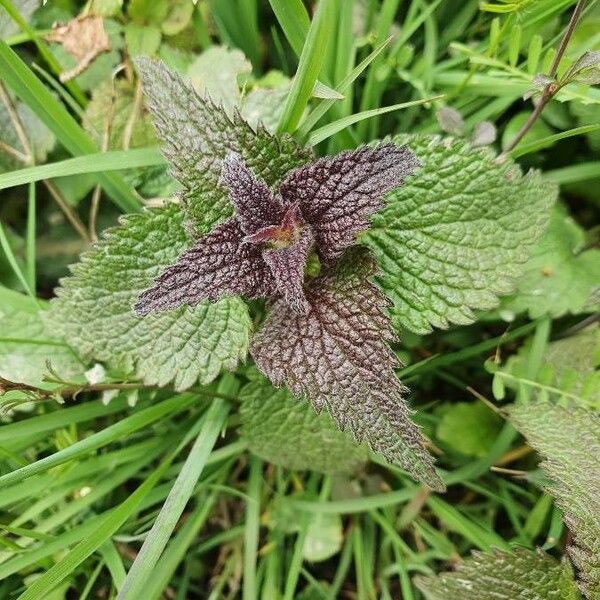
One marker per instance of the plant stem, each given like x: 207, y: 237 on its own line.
x: 566, y: 37
x: 551, y: 89
x: 71, y: 390
x: 17, y: 124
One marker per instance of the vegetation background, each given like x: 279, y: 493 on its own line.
x: 104, y: 492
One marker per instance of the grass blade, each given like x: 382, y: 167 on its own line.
x: 12, y: 261
x: 42, y: 48
x: 574, y: 173
x: 99, y: 162
x: 102, y: 438
x: 42, y: 586
x: 315, y: 115
x: 550, y: 140
x: 30, y: 238
x: 294, y: 21
x: 154, y: 544
x: 330, y: 129
x: 311, y: 60
x: 55, y: 116
x: 251, y: 529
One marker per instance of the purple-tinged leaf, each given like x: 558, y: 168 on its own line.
x: 218, y: 265
x: 338, y: 194
x: 255, y: 206
x: 337, y: 355
x: 197, y: 135
x: 287, y: 265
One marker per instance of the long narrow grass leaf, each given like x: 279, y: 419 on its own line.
x: 311, y: 60
x: 135, y: 584
x: 15, y: 73
x: 99, y: 162
x: 102, y: 438
x: 330, y: 129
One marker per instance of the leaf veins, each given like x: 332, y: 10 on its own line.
x: 337, y: 355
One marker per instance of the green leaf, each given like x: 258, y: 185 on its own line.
x: 214, y: 75
x: 131, y: 127
x: 197, y: 135
x: 40, y: 137
x: 265, y: 106
x: 93, y: 309
x: 469, y: 428
x: 106, y: 8
x: 288, y: 432
x: 559, y: 277
x: 501, y: 575
x: 156, y: 540
x: 25, y: 347
x: 178, y: 18
x: 455, y: 235
x: 312, y: 57
x: 148, y: 11
x: 569, y: 371
x: 569, y: 442
x: 56, y: 117
x: 324, y: 537
x: 119, y: 98
x: 142, y: 39
x: 586, y: 70
x: 8, y: 26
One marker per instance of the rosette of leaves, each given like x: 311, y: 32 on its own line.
x: 269, y: 221
x: 326, y: 338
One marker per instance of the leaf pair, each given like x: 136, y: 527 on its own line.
x: 263, y: 249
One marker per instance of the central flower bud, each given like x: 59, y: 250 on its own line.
x: 284, y: 235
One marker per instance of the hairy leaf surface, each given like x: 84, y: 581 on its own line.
x: 455, y: 235
x: 197, y: 135
x: 337, y: 356
x: 524, y: 574
x: 569, y: 441
x: 94, y: 307
x: 338, y: 194
x: 287, y: 432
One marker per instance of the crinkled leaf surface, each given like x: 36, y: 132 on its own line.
x: 569, y: 441
x: 287, y: 432
x: 337, y: 355
x: 338, y: 194
x: 522, y: 575
x: 455, y: 235
x: 559, y: 277
x: 197, y: 136
x: 94, y: 307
